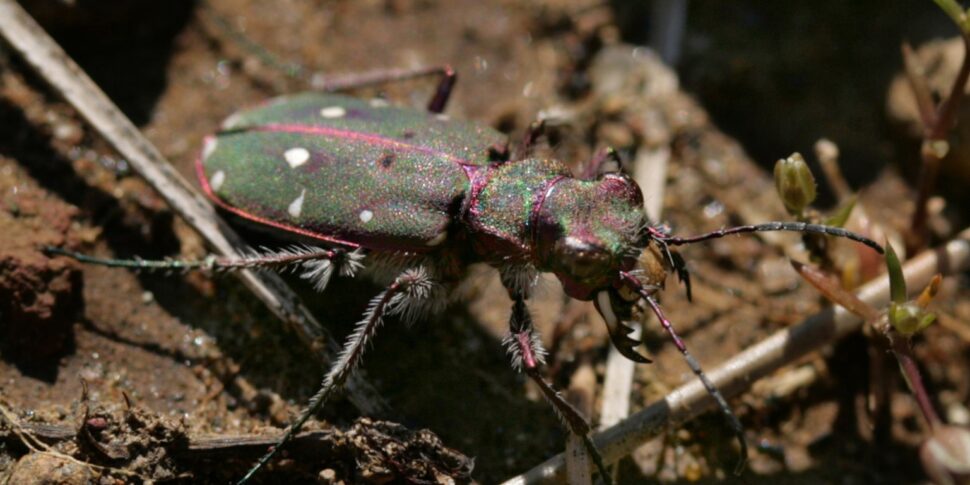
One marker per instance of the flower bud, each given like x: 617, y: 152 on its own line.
x: 794, y: 183
x: 908, y: 318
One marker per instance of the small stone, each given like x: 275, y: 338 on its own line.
x: 328, y: 476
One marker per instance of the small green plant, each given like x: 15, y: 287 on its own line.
x: 946, y: 451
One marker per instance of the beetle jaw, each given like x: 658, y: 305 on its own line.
x: 648, y: 269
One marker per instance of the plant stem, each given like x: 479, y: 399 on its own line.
x: 916, y: 75
x: 934, y: 133
x: 907, y: 365
x: 946, y: 113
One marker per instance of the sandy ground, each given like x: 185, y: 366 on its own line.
x: 123, y: 369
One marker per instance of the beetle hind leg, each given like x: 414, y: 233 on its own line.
x: 340, y: 82
x: 317, y: 264
x: 437, y: 104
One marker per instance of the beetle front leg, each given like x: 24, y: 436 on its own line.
x: 695, y: 367
x: 382, y: 76
x: 528, y: 143
x: 527, y: 354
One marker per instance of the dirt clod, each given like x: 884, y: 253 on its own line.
x: 49, y: 469
x: 40, y: 297
x: 386, y: 451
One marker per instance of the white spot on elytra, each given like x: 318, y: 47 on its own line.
x: 575, y: 242
x: 278, y: 101
x: 208, y: 147
x: 297, y: 205
x: 217, y: 180
x: 333, y: 112
x: 378, y: 103
x: 366, y: 216
x: 231, y: 121
x: 296, y: 156
x: 440, y: 238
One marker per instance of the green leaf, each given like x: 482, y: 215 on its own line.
x: 955, y: 11
x: 834, y: 292
x: 908, y: 319
x: 839, y: 218
x: 897, y: 283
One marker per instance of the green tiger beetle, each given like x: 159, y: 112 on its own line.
x: 422, y: 196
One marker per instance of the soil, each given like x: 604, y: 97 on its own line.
x: 177, y: 377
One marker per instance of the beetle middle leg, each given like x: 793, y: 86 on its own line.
x: 408, y: 289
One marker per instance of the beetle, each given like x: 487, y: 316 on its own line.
x: 421, y: 196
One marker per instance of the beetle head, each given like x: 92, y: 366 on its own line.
x: 590, y: 231
x: 595, y: 237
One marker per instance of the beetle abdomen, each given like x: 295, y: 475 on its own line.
x: 345, y: 170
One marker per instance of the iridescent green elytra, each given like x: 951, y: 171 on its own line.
x: 341, y: 169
